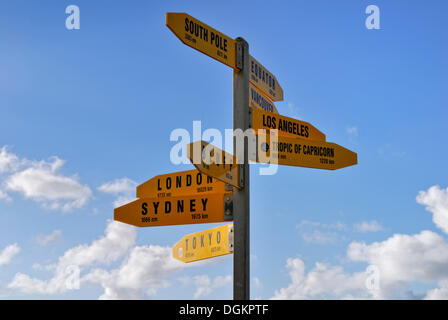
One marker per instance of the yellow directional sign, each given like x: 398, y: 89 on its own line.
x: 264, y: 80
x: 258, y: 100
x: 202, y: 37
x: 205, y: 244
x: 181, y: 183
x: 303, y: 153
x: 214, y: 162
x: 152, y: 212
x: 287, y: 127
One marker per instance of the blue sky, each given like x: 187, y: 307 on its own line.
x: 86, y: 114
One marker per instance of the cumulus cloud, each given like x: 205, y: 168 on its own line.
x: 204, y: 285
x: 116, y: 242
x: 8, y: 253
x: 440, y: 293
x: 323, y: 281
x: 41, y: 181
x: 403, y: 258
x: 398, y: 262
x: 145, y: 271
x: 436, y: 201
x: 8, y: 161
x: 123, y: 188
x: 45, y: 239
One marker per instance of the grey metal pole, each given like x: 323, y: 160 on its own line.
x: 241, y: 120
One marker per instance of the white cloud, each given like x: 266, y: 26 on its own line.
x: 123, y: 185
x: 323, y: 281
x: 4, y: 196
x: 319, y: 237
x: 116, y: 242
x: 45, y: 239
x: 145, y: 271
x: 436, y: 201
x: 440, y: 293
x: 8, y: 253
x: 314, y: 232
x: 368, y: 226
x: 399, y: 261
x: 8, y: 161
x: 123, y: 188
x: 40, y: 181
x: 205, y: 285
x: 402, y: 259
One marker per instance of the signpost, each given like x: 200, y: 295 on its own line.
x: 264, y: 80
x: 241, y: 222
x: 190, y: 182
x: 202, y: 37
x: 202, y: 196
x: 153, y: 212
x: 205, y: 244
x: 304, y: 153
x: 258, y: 100
x: 215, y: 162
x: 285, y: 126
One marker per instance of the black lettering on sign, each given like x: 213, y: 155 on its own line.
x: 204, y: 204
x: 186, y: 244
x: 144, y: 208
x: 156, y: 206
x: 167, y: 207
x: 178, y: 181
x: 192, y: 205
x: 196, y: 29
x: 194, y: 242
x: 188, y: 180
x: 168, y: 183
x: 180, y: 205
x: 202, y: 240
x: 210, y: 238
x: 158, y: 185
x: 199, y: 179
x: 218, y: 237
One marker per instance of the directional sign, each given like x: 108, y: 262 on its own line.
x: 152, y: 212
x: 181, y: 183
x: 205, y: 244
x: 264, y: 80
x: 287, y: 127
x: 214, y: 162
x: 258, y: 100
x: 202, y: 37
x: 303, y: 153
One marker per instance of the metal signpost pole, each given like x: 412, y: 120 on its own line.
x: 241, y: 118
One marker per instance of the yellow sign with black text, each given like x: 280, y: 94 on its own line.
x: 202, y: 37
x: 303, y: 153
x: 153, y: 212
x: 181, y: 183
x: 258, y: 100
x: 264, y: 80
x: 214, y: 162
x: 285, y: 126
x: 205, y: 244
